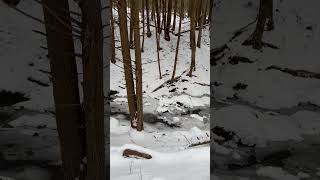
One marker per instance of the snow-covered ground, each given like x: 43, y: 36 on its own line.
x: 176, y: 116
x: 266, y: 103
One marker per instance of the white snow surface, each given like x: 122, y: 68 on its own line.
x: 171, y: 156
x: 275, y: 106
x: 173, y: 166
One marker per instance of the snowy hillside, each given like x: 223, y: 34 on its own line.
x: 266, y: 102
x: 176, y: 116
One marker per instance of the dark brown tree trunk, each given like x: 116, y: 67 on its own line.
x: 128, y: 71
x: 131, y: 28
x: 198, y: 12
x: 158, y: 43
x: 139, y: 95
x: 148, y: 19
x: 113, y: 47
x: 143, y: 25
x: 164, y: 15
x: 178, y: 42
x: 203, y: 14
x: 152, y: 10
x: 108, y: 54
x: 174, y: 15
x: 65, y: 87
x: 190, y: 11
x: 264, y: 13
x: 168, y: 23
x: 157, y: 8
x: 192, y: 38
x: 210, y: 10
x: 93, y: 96
x: 269, y: 21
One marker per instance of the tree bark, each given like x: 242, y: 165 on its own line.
x: 131, y: 28
x: 174, y: 15
x: 152, y: 10
x: 128, y: 72
x: 158, y: 42
x: 65, y: 88
x: 210, y: 10
x: 168, y: 23
x: 192, y: 38
x: 148, y: 19
x: 158, y: 16
x: 178, y: 41
x: 262, y: 24
x: 203, y: 14
x: 139, y: 95
x: 113, y: 47
x: 198, y: 12
x: 269, y: 21
x: 93, y: 96
x: 164, y: 15
x: 143, y: 25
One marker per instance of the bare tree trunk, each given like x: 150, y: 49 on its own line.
x: 178, y: 42
x: 198, y: 12
x: 158, y: 16
x: 190, y: 10
x: 139, y: 95
x: 148, y: 19
x: 143, y: 20
x: 108, y: 55
x: 269, y: 21
x: 153, y: 10
x: 210, y: 10
x: 113, y: 46
x: 128, y: 71
x: 65, y: 88
x: 192, y: 38
x: 164, y: 15
x: 203, y: 14
x: 131, y: 28
x: 264, y: 13
x: 168, y: 23
x: 174, y: 15
x: 206, y: 12
x: 158, y: 42
x: 93, y: 97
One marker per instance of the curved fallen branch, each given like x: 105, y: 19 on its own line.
x: 135, y: 154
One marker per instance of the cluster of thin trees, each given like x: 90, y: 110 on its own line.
x: 137, y: 18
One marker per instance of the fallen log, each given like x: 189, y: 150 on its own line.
x: 135, y: 154
x: 199, y: 144
x: 170, y: 81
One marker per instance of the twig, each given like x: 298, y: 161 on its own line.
x: 199, y: 144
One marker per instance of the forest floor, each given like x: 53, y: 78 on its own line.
x: 266, y: 104
x: 176, y: 116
